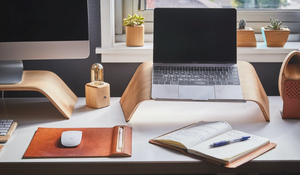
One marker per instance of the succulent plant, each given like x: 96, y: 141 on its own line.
x: 134, y: 20
x: 242, y: 24
x: 274, y: 24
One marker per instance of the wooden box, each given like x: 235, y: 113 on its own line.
x: 135, y: 36
x: 97, y: 96
x: 275, y: 38
x: 246, y: 38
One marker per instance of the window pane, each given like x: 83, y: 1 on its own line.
x: 239, y: 4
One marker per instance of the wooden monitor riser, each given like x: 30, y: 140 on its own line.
x: 49, y: 84
x: 139, y: 89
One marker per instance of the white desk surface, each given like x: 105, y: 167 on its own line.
x: 151, y: 119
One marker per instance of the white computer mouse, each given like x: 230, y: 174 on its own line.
x: 71, y: 138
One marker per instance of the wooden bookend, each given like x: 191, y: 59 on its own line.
x: 139, y: 89
x: 49, y: 84
x: 97, y: 96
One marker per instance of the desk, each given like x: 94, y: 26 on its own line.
x: 152, y: 119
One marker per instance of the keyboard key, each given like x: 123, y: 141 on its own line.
x: 161, y: 82
x: 196, y: 75
x: 200, y: 83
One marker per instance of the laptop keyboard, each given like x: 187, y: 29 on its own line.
x: 179, y: 75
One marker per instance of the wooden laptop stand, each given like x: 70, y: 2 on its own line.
x: 139, y: 89
x: 49, y: 84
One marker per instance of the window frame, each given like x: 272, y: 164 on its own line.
x: 116, y: 52
x: 255, y: 19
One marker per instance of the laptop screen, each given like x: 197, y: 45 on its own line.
x: 194, y: 35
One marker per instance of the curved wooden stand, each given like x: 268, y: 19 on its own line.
x: 289, y: 70
x: 139, y: 89
x: 49, y: 84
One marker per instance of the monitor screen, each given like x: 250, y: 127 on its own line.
x: 43, y: 29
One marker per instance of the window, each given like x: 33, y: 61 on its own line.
x: 256, y: 12
x: 114, y: 50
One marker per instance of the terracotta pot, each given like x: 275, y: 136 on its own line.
x: 135, y: 35
x: 246, y: 37
x: 275, y: 38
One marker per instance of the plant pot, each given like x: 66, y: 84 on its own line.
x: 246, y: 37
x: 275, y: 38
x: 135, y: 35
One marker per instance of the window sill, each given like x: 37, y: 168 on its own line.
x: 120, y: 53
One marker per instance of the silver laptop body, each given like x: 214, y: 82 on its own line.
x: 194, y: 54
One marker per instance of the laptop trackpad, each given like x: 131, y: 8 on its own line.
x: 197, y: 92
x: 229, y: 92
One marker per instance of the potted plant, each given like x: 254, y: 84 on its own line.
x: 245, y: 35
x: 274, y: 35
x: 134, y: 30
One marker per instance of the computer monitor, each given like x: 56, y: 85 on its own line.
x: 38, y: 30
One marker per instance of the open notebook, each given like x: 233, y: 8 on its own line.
x: 196, y: 139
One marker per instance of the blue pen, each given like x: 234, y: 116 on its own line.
x: 225, y: 142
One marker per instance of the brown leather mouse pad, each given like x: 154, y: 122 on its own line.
x: 96, y: 142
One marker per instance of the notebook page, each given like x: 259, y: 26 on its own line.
x: 231, y: 151
x: 197, y: 133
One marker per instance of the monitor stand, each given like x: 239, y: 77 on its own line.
x: 11, y: 71
x: 45, y: 82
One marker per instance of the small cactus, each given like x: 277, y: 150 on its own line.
x: 133, y: 20
x: 274, y: 24
x: 242, y: 24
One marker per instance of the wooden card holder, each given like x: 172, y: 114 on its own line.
x: 289, y: 85
x: 97, y: 96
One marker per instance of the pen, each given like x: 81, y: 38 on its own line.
x: 120, y: 141
x: 225, y: 142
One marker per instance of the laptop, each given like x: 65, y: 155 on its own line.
x: 195, y: 54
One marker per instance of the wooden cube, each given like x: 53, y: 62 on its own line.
x: 97, y: 96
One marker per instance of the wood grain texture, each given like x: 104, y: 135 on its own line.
x: 276, y: 38
x: 139, y: 89
x: 135, y: 35
x: 290, y: 70
x: 97, y: 96
x: 252, y: 88
x: 246, y: 38
x: 49, y: 84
